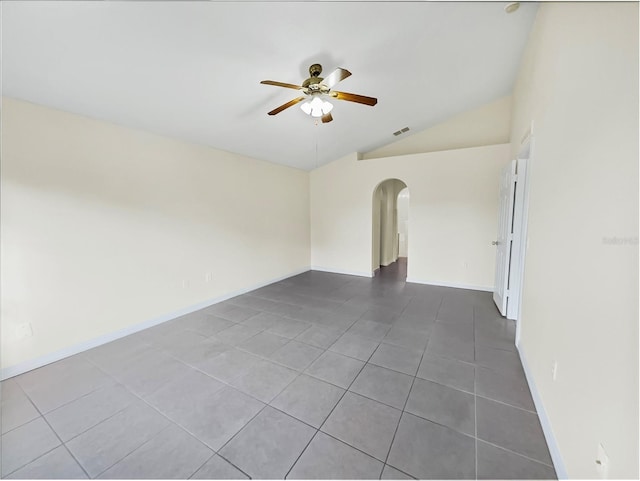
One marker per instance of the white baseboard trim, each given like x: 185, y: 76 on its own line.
x: 556, y: 458
x: 450, y: 284
x: 20, y: 368
x: 340, y: 271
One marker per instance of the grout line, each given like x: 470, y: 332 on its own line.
x: 62, y: 443
x: 516, y: 453
x: 475, y: 392
x: 329, y: 415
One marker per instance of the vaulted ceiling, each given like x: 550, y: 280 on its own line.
x: 191, y: 70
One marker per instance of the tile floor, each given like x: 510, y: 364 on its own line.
x: 318, y: 376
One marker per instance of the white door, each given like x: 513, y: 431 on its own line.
x: 505, y: 236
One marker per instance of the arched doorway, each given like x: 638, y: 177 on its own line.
x: 390, y: 216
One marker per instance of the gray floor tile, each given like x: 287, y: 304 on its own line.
x: 504, y: 388
x: 443, y: 405
x: 205, y: 324
x: 388, y: 387
x: 150, y: 372
x: 429, y: 451
x: 447, y: 345
x: 390, y: 472
x: 25, y: 444
x: 496, y: 463
x: 237, y: 334
x: 419, y: 323
x: 201, y: 352
x: 229, y: 365
x: 10, y: 390
x: 335, y: 368
x: 296, y: 355
x: 320, y: 336
x: 452, y: 310
x: 77, y: 416
x: 398, y: 358
x: 263, y: 344
x: 511, y: 428
x: 268, y: 445
x: 107, y: 443
x: 56, y: 464
x: 289, y: 328
x: 177, y: 341
x: 506, y: 362
x: 449, y: 372
x: 215, y: 418
x: 406, y: 337
x: 233, y: 313
x: 171, y: 454
x: 262, y: 321
x: 53, y: 385
x: 364, y: 424
x: 308, y: 399
x: 183, y: 396
x: 16, y: 411
x: 328, y: 458
x: 219, y: 468
x: 354, y: 346
x: 369, y: 329
x: 115, y: 356
x: 265, y: 380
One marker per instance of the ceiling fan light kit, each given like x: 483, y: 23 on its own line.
x: 315, y: 88
x: 316, y: 107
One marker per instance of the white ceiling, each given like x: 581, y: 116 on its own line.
x: 191, y: 70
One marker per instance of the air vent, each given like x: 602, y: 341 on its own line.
x: 401, y: 131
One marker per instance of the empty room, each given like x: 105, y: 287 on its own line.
x: 319, y: 240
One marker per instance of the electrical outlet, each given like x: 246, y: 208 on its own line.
x: 208, y: 276
x: 554, y: 370
x: 24, y: 330
x: 602, y: 462
x: 185, y: 283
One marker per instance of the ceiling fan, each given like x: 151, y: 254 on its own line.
x: 316, y: 89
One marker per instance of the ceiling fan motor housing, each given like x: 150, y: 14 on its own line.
x: 314, y: 71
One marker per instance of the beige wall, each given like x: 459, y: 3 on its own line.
x: 101, y: 225
x: 578, y: 83
x: 486, y: 125
x: 452, y: 213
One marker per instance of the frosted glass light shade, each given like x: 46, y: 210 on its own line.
x: 316, y: 107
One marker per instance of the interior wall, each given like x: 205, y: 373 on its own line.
x: 578, y: 85
x: 488, y: 124
x: 104, y: 227
x: 453, y: 213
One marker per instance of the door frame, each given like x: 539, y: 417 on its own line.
x: 520, y: 236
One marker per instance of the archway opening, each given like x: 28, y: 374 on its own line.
x: 390, y: 229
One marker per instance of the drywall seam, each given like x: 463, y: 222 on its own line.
x: 552, y: 444
x: 341, y: 271
x: 450, y: 284
x: 20, y: 368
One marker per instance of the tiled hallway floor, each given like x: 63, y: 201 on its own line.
x: 318, y: 376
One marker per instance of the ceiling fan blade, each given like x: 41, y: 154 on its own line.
x: 361, y: 99
x: 327, y: 118
x: 281, y: 84
x: 336, y: 76
x: 286, y: 106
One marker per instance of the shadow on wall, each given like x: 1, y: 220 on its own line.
x: 387, y: 228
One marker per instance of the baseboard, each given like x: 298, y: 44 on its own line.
x: 20, y: 368
x: 340, y: 271
x: 450, y: 284
x: 554, y: 451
